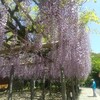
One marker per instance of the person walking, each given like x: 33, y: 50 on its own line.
x: 94, y: 87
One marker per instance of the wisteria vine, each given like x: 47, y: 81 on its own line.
x: 61, y: 25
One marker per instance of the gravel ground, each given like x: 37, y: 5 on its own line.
x: 55, y: 96
x: 26, y: 96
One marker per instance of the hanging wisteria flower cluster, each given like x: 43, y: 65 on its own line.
x: 3, y: 20
x: 70, y: 50
x: 73, y: 52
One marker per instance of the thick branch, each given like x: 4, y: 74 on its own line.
x: 16, y: 20
x: 17, y: 49
x: 25, y: 12
x: 11, y: 12
x: 27, y: 15
x: 36, y: 2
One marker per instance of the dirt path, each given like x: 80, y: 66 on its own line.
x: 86, y: 94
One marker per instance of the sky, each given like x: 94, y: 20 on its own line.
x: 94, y: 34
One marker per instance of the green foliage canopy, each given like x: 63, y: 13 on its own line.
x: 95, y: 63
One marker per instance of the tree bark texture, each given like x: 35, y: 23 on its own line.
x: 11, y: 83
x: 63, y: 85
x: 43, y: 88
x: 32, y: 88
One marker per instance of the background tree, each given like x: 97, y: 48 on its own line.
x: 95, y: 70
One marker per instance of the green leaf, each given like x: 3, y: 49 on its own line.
x: 89, y: 16
x: 35, y: 8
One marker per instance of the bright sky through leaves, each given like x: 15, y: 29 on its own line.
x: 95, y: 28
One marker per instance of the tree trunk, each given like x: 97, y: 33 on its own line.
x: 11, y: 83
x: 50, y: 93
x: 68, y: 93
x: 43, y: 88
x: 32, y: 88
x: 73, y: 91
x: 34, y: 84
x: 63, y: 85
x: 76, y: 87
